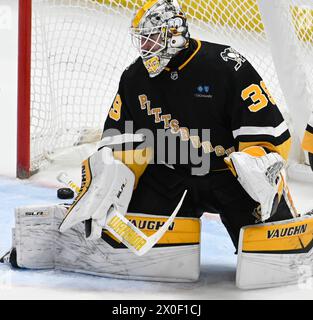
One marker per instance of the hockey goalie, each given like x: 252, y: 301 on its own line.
x: 192, y: 129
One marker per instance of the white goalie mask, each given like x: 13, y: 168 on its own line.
x: 159, y: 31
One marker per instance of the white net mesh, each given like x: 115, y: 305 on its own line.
x: 79, y: 50
x: 289, y: 27
x: 301, y: 25
x: 81, y: 47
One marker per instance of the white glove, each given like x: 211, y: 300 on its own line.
x: 263, y: 178
x: 107, y: 185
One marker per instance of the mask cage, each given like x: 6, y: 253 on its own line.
x: 149, y: 41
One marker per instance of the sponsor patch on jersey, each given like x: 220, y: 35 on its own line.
x: 230, y: 54
x: 203, y: 91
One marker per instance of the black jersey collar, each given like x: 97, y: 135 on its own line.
x: 181, y: 62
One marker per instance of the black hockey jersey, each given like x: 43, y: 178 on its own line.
x: 210, y: 97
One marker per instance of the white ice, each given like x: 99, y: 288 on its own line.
x: 218, y: 262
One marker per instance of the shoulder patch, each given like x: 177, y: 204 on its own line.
x: 230, y: 54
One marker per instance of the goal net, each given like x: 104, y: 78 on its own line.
x: 72, y: 53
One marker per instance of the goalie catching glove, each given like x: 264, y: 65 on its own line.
x: 263, y: 177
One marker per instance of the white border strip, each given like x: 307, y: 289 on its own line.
x: 270, y: 131
x: 120, y: 139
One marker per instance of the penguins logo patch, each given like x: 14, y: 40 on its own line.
x: 233, y: 55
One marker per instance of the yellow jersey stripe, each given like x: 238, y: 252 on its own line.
x: 190, y: 58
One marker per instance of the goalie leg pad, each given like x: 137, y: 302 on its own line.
x: 275, y: 254
x: 34, y: 235
x: 39, y: 245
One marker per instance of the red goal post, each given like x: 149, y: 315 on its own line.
x: 24, y: 102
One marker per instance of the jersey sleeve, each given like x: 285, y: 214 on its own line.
x: 119, y: 118
x: 119, y: 121
x: 255, y: 118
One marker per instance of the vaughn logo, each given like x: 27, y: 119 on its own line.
x: 203, y: 92
x: 151, y: 225
x: 285, y: 232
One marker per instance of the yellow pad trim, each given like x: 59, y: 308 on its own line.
x: 182, y: 230
x: 307, y: 143
x: 255, y: 151
x: 290, y: 235
x: 136, y: 160
x: 86, y: 181
x: 283, y: 149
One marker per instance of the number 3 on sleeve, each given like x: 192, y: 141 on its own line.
x: 115, y: 111
x: 258, y: 96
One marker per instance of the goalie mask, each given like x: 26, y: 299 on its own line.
x: 159, y: 31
